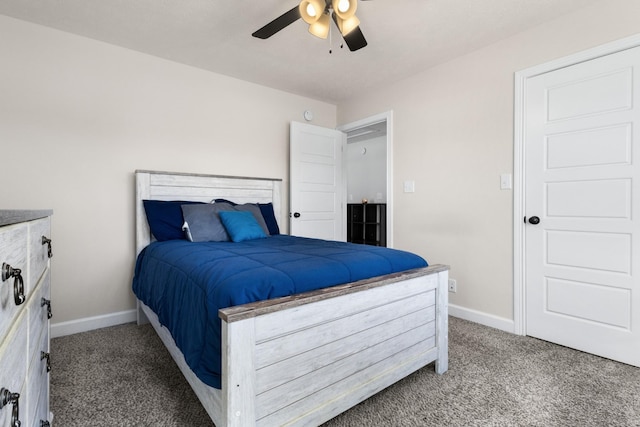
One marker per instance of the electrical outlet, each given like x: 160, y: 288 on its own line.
x: 453, y: 285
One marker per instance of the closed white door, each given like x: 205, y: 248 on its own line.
x: 316, y: 198
x: 582, y: 166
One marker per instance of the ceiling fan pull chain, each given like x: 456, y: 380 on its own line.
x: 330, y: 43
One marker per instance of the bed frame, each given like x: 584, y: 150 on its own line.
x: 303, y: 359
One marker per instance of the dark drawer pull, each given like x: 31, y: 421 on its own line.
x: 47, y: 356
x: 6, y: 397
x: 18, y: 283
x: 47, y: 241
x: 43, y: 302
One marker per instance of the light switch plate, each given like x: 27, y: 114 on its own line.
x: 505, y: 181
x: 409, y: 186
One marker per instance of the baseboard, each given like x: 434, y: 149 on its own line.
x: 490, y: 320
x: 90, y: 323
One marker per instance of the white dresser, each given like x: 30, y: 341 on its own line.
x: 25, y: 310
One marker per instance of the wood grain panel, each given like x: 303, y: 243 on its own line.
x: 287, y: 321
x: 13, y: 361
x: 38, y: 321
x: 327, y: 329
x: 370, y: 354
x: 323, y: 354
x: 330, y: 401
x: 208, y: 195
x: 13, y: 251
x: 209, y: 181
x: 36, y: 381
x: 238, y: 348
x: 38, y: 253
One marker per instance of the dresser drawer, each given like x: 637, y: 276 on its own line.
x: 37, y: 402
x: 13, y: 360
x: 13, y: 251
x: 7, y: 411
x: 38, y: 321
x: 38, y: 251
x: 42, y: 410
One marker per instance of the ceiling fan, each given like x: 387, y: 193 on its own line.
x: 318, y: 14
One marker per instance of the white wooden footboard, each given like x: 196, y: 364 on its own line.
x: 304, y: 359
x: 305, y: 364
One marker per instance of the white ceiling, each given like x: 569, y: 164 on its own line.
x: 405, y: 36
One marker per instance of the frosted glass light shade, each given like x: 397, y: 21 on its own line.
x: 320, y: 28
x: 345, y: 9
x: 347, y: 25
x: 311, y: 10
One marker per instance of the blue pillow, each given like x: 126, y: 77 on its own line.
x: 269, y: 218
x: 165, y: 218
x: 266, y: 209
x: 249, y: 207
x: 241, y: 225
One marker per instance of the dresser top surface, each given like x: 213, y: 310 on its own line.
x: 8, y: 216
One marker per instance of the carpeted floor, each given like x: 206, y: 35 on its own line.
x: 123, y: 376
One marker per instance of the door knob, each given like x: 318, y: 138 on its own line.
x: 296, y: 214
x: 534, y: 220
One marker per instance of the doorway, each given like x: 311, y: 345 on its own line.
x: 316, y: 195
x: 368, y: 165
x: 576, y: 282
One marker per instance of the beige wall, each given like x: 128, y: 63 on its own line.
x: 453, y: 135
x: 77, y: 117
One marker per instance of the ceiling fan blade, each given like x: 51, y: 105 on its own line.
x: 278, y: 24
x: 355, y: 39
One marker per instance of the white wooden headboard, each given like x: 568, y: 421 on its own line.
x: 156, y: 185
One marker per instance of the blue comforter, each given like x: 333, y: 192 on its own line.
x: 186, y: 283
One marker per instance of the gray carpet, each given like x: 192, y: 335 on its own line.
x: 123, y: 376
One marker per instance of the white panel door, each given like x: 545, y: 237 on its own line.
x: 316, y: 182
x: 582, y: 151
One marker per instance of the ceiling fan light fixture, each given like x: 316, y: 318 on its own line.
x: 318, y: 14
x: 320, y: 28
x: 347, y: 25
x: 311, y: 10
x: 345, y: 9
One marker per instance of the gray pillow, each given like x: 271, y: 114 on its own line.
x: 202, y: 223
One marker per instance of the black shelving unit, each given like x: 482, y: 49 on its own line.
x: 367, y: 223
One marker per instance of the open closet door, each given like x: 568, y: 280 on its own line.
x: 315, y: 172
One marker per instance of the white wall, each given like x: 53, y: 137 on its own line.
x: 453, y: 135
x: 77, y: 117
x: 367, y: 172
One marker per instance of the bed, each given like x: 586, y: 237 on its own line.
x: 304, y: 358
